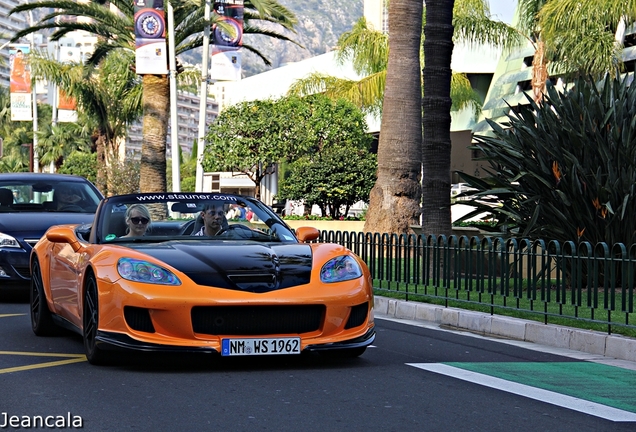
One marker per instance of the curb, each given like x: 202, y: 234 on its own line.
x: 588, y: 341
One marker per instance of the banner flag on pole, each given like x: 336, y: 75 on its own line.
x: 67, y: 105
x: 151, y: 52
x: 226, y: 46
x: 20, y: 83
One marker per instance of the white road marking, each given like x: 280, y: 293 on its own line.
x: 564, y: 401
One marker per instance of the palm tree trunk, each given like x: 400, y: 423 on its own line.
x: 156, y: 104
x: 102, y: 173
x: 394, y: 202
x: 436, y: 148
x: 539, y: 72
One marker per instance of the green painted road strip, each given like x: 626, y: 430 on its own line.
x: 595, y: 389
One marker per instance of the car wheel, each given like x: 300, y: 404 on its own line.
x: 90, y: 320
x: 41, y: 318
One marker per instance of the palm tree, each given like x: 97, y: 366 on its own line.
x: 574, y: 37
x: 436, y: 146
x: 528, y: 11
x: 109, y: 95
x: 368, y: 49
x: 447, y: 20
x: 395, y: 198
x: 57, y: 142
x: 112, y: 21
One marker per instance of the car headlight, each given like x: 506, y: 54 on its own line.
x: 340, y: 269
x: 8, y: 241
x: 143, y: 271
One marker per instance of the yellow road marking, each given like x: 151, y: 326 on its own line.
x: 10, y: 315
x: 43, y: 365
x: 35, y: 354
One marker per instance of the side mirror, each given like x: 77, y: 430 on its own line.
x: 63, y: 234
x: 306, y: 234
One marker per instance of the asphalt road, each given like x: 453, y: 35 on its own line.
x: 414, y: 378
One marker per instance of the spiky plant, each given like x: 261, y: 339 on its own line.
x: 564, y: 169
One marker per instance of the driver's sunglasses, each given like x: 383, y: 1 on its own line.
x: 220, y: 213
x: 139, y: 220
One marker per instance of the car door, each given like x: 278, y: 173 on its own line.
x: 65, y: 281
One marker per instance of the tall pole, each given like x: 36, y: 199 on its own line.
x: 174, y: 120
x: 34, y: 149
x: 54, y: 99
x: 204, y: 96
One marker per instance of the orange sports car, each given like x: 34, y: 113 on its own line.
x: 199, y: 272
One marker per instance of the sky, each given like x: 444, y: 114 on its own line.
x: 503, y: 9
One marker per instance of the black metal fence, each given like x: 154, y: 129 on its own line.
x: 542, y: 280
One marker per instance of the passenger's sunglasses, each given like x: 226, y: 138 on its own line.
x: 139, y: 220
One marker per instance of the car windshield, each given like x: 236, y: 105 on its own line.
x: 33, y: 194
x: 188, y: 216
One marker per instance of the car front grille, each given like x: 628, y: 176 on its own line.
x: 257, y: 320
x: 23, y: 271
x: 138, y: 319
x: 357, y: 316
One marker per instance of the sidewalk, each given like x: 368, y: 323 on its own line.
x: 587, y: 341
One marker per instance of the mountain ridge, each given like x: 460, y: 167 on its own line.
x: 320, y: 24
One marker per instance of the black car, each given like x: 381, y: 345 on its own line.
x: 30, y: 203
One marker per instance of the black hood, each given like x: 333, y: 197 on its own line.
x: 246, y: 266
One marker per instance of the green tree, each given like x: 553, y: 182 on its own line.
x: 112, y: 22
x: 336, y: 176
x: 126, y: 175
x: 18, y: 135
x: 82, y: 164
x: 252, y: 137
x: 188, y: 168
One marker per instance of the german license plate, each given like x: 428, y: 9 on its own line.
x: 266, y: 346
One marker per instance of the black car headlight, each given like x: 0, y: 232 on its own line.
x: 143, y: 271
x: 340, y: 269
x: 8, y: 241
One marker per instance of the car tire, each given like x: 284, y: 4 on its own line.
x: 90, y: 320
x: 41, y: 317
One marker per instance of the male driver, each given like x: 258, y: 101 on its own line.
x: 214, y: 220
